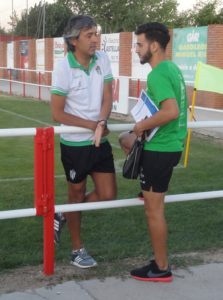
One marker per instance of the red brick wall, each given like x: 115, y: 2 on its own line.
x: 215, y: 45
x: 32, y: 60
x: 3, y: 60
x: 214, y: 57
x: 125, y: 57
x: 18, y: 75
x: 48, y: 59
x: 208, y: 99
x: 16, y: 54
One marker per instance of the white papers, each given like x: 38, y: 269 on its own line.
x: 145, y: 108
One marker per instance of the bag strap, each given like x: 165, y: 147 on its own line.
x: 144, y: 135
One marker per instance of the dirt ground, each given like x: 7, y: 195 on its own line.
x: 31, y: 277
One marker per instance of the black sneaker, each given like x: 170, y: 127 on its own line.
x: 152, y: 272
x: 59, y: 221
x: 140, y: 196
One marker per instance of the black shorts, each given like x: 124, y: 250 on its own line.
x: 80, y: 161
x: 157, y: 169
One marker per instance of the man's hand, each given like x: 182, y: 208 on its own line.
x: 138, y: 129
x: 100, y: 131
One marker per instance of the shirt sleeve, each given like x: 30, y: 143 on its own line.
x: 161, y: 87
x: 60, y: 82
x: 106, y: 65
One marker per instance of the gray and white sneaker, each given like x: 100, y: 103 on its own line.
x: 82, y: 259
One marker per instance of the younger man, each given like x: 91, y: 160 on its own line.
x: 166, y: 87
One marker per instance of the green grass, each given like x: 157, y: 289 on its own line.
x: 112, y: 234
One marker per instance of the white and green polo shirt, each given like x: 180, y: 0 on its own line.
x: 83, y: 89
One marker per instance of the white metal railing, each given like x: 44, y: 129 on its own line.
x: 13, y: 132
x: 26, y: 82
x: 31, y: 212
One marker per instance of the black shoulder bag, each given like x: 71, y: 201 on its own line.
x: 131, y: 167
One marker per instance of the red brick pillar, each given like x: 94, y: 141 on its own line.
x: 32, y: 60
x: 214, y: 58
x: 3, y: 60
x: 48, y: 59
x: 16, y: 54
x: 125, y: 56
x: 17, y: 73
x: 215, y: 45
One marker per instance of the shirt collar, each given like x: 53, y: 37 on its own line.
x: 75, y: 64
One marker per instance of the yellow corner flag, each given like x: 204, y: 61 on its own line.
x: 209, y: 78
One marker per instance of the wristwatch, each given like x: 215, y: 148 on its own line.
x: 103, y: 122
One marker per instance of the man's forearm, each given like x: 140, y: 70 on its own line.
x: 106, y: 106
x: 71, y: 120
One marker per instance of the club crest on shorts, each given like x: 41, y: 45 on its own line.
x: 72, y: 174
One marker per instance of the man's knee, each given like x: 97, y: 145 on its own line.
x: 110, y: 196
x: 123, y: 138
x: 126, y: 141
x: 76, y: 193
x: 109, y: 192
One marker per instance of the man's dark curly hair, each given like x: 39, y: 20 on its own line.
x: 155, y: 31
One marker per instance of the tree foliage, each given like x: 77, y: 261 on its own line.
x: 120, y: 15
x: 2, y: 31
x: 114, y: 15
x: 14, y: 19
x: 203, y: 13
x: 56, y: 16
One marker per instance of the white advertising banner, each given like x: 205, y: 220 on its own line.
x: 110, y: 45
x: 10, y: 55
x: 40, y: 55
x: 58, y: 50
x: 120, y: 89
x: 139, y: 71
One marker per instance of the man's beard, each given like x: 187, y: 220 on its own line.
x: 146, y: 58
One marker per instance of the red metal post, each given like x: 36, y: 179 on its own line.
x: 44, y: 190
